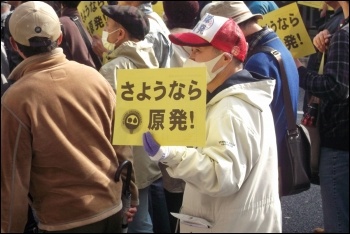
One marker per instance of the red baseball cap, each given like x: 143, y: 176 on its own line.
x: 220, y: 32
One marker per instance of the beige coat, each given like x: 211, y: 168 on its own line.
x: 56, y: 131
x: 232, y: 182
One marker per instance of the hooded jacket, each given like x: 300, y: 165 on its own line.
x: 129, y: 55
x: 158, y: 35
x: 232, y: 182
x: 134, y: 55
x: 181, y: 53
x: 56, y: 131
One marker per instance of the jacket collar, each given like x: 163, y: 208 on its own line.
x: 240, y: 77
x: 263, y: 35
x: 37, y: 62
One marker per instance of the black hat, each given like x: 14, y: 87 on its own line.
x: 181, y: 14
x: 130, y: 17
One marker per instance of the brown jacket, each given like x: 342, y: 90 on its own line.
x: 73, y: 44
x: 56, y: 129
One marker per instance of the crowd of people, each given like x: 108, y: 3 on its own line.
x: 58, y: 87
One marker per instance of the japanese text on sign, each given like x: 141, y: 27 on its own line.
x: 93, y: 18
x: 290, y: 28
x: 169, y: 102
x: 159, y: 91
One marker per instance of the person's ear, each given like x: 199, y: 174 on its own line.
x: 13, y: 44
x: 122, y: 33
x: 59, y: 40
x: 15, y: 47
x: 227, y: 57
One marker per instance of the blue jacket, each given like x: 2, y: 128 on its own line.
x: 261, y: 7
x: 266, y: 65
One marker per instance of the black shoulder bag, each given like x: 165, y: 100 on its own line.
x: 294, y: 163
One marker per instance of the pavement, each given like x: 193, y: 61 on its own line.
x: 302, y: 212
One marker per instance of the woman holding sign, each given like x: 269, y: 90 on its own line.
x: 333, y: 89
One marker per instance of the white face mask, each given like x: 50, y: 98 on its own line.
x: 105, y: 43
x: 209, y: 65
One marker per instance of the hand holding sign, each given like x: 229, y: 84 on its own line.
x: 97, y: 45
x: 154, y: 150
x: 321, y: 40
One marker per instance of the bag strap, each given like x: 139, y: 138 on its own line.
x: 94, y: 57
x: 291, y: 122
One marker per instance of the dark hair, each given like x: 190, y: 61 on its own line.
x: 29, y: 51
x: 248, y: 22
x: 70, y: 4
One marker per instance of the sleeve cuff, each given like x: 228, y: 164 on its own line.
x: 302, y: 76
x: 162, y: 153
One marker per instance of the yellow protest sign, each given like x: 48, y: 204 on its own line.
x: 93, y: 18
x: 289, y: 26
x: 314, y: 4
x: 168, y: 102
x: 158, y: 8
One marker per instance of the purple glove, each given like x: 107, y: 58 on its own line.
x: 154, y: 150
x: 150, y: 145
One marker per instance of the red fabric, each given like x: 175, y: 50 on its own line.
x: 228, y: 38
